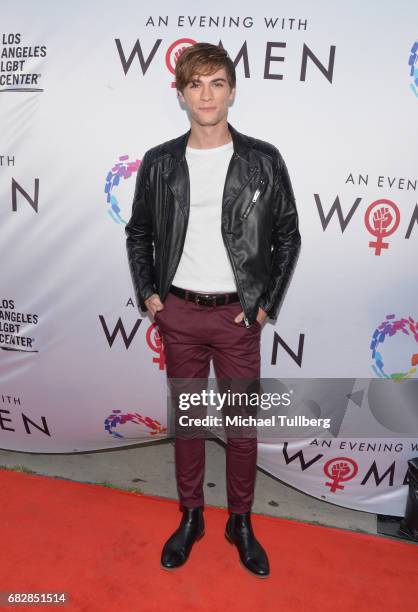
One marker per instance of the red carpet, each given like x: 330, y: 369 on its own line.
x: 102, y: 546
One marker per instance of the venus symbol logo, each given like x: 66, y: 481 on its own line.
x: 382, y: 219
x: 339, y: 469
x: 155, y: 342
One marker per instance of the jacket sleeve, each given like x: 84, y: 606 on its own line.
x: 286, y: 240
x: 139, y: 241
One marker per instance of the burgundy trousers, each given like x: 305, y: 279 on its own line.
x: 192, y: 335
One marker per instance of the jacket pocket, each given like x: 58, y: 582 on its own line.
x: 254, y: 199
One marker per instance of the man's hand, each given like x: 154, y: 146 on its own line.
x: 261, y: 315
x: 154, y: 304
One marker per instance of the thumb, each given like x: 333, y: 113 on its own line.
x: 158, y: 305
x: 239, y: 317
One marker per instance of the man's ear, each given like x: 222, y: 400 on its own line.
x: 180, y: 95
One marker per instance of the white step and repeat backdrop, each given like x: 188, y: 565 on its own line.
x: 85, y: 89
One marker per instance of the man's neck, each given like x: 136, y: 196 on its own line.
x: 209, y: 136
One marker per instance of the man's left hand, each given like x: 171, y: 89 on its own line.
x: 261, y: 316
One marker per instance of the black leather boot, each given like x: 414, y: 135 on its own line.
x: 239, y: 531
x: 178, y: 546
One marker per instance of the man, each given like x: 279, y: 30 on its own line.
x: 212, y: 243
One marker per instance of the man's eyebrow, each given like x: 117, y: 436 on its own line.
x: 198, y: 80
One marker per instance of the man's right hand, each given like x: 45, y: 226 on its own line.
x: 154, y: 304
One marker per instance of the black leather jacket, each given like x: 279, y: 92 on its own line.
x: 259, y: 222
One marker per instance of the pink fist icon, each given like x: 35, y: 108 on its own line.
x: 340, y: 470
x: 382, y: 218
x: 178, y: 53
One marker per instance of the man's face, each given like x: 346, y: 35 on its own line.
x: 207, y: 97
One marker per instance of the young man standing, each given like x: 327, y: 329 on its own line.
x: 212, y: 242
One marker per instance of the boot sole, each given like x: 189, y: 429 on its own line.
x: 176, y: 567
x: 242, y: 564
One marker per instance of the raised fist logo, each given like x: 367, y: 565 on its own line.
x: 178, y: 53
x: 382, y: 218
x: 339, y: 470
x: 173, y: 53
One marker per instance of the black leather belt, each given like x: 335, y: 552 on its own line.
x: 205, y: 299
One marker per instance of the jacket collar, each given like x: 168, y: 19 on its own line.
x: 240, y: 170
x: 241, y: 143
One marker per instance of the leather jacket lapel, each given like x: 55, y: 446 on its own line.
x: 178, y: 181
x: 239, y: 173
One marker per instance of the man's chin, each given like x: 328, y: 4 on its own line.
x: 210, y: 120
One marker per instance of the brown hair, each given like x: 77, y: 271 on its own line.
x: 203, y: 58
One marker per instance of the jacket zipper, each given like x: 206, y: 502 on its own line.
x: 253, y: 201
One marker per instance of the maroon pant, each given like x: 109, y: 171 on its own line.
x: 192, y: 334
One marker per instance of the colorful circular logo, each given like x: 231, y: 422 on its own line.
x: 123, y: 169
x: 413, y: 67
x: 132, y: 424
x: 386, y: 330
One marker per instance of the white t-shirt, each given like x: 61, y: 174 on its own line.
x: 204, y: 264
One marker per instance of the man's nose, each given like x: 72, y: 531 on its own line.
x: 206, y: 92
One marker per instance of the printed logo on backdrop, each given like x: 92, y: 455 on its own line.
x: 19, y: 64
x: 152, y: 339
x: 155, y: 343
x: 122, y: 170
x: 413, y: 68
x: 373, y: 467
x: 16, y: 328
x: 173, y: 53
x: 404, y: 352
x: 339, y: 469
x: 395, y: 358
x: 382, y: 217
x: 136, y: 60
x: 132, y: 425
